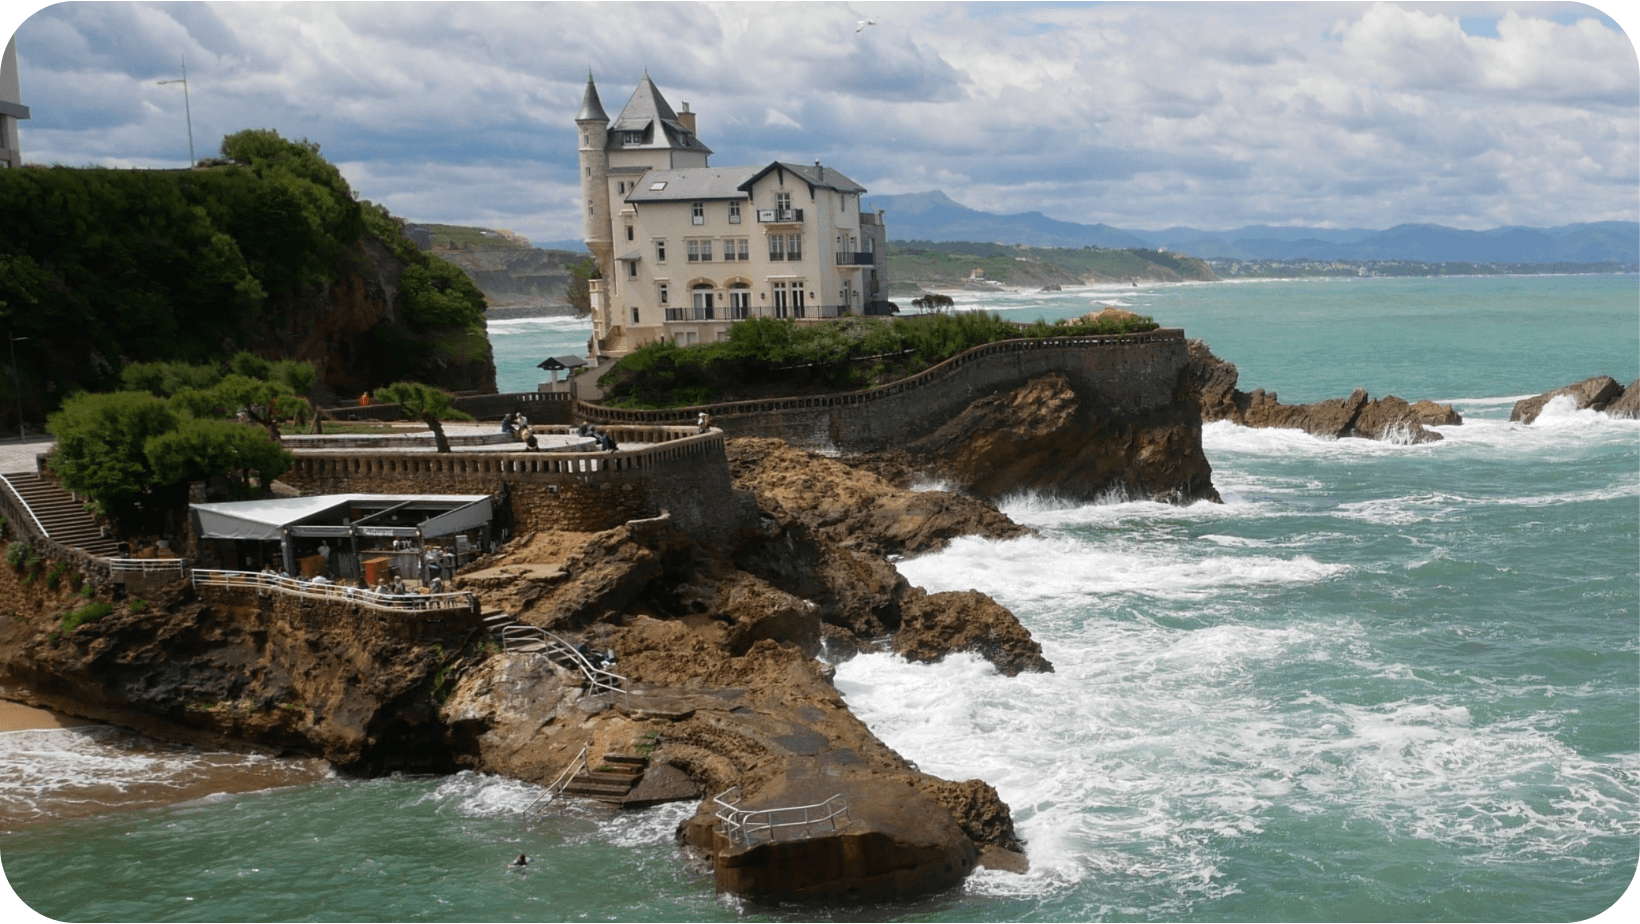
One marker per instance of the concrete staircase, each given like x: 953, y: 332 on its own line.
x: 611, y: 781
x: 65, y: 520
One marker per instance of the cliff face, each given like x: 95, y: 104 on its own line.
x: 357, y: 335
x: 515, y: 278
x: 718, y: 637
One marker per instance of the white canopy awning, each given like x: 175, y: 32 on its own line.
x: 322, y: 515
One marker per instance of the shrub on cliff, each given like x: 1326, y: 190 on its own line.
x: 103, y: 268
x: 768, y: 356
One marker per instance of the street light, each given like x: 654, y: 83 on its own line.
x: 186, y: 108
x: 17, y: 384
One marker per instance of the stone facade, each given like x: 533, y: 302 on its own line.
x: 684, y: 474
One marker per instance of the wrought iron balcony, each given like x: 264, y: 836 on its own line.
x: 847, y: 258
x: 779, y: 216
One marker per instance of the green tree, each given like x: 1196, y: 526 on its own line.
x: 431, y: 405
x: 201, y: 449
x: 100, y: 447
x: 267, y: 404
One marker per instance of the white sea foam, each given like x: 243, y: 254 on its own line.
x: 544, y: 323
x: 1070, y: 570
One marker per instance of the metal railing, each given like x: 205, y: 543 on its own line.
x: 855, y: 258
x: 562, y: 783
x: 339, y: 593
x: 599, y: 679
x: 29, y: 509
x: 779, y: 216
x: 147, y: 565
x: 743, y: 827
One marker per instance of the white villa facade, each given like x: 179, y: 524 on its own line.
x: 686, y: 249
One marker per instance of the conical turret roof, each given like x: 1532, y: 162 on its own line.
x: 647, y: 111
x: 591, y: 109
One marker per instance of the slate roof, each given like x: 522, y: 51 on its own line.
x: 693, y: 184
x: 648, y: 112
x: 591, y: 108
x: 816, y: 175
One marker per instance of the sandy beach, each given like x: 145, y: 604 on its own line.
x: 18, y: 717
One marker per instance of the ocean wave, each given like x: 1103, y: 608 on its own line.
x: 548, y: 322
x: 1065, y: 569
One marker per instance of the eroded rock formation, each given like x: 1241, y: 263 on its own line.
x: 1045, y: 437
x: 1598, y: 393
x: 1388, y: 418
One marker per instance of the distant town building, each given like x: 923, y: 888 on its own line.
x: 11, y: 108
x: 686, y: 249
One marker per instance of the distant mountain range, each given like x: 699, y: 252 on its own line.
x: 933, y: 216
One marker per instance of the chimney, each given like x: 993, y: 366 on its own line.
x: 687, y: 118
x: 820, y: 170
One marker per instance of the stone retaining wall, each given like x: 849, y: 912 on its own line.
x: 1129, y: 374
x: 685, y: 474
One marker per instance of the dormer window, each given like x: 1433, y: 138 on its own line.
x: 632, y: 137
x: 734, y: 213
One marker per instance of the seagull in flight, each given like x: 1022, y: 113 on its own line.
x: 863, y: 23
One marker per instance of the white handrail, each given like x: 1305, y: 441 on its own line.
x: 743, y: 826
x: 21, y: 500
x: 178, y: 565
x: 562, y: 783
x: 597, y: 677
x: 256, y: 580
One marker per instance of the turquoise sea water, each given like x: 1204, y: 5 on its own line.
x: 1378, y: 683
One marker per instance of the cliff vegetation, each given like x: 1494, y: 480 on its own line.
x: 263, y: 249
x: 770, y: 357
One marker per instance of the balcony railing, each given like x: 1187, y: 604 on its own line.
x: 779, y: 215
x: 847, y: 258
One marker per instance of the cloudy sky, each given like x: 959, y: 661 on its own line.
x: 1217, y: 115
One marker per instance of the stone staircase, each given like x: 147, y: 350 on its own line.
x: 65, y: 519
x: 611, y: 781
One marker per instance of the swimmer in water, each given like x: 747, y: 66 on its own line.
x: 519, y: 863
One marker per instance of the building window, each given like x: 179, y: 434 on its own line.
x: 697, y: 213
x: 623, y: 187
x: 632, y: 138
x: 734, y: 213
x: 740, y: 301
x: 783, y: 202
x: 703, y: 302
x: 797, y: 300
x: 662, y: 292
x: 634, y: 314
x: 660, y: 251
x: 794, y: 246
x: 780, y: 308
x: 629, y: 232
x: 737, y: 248
x: 632, y: 269
x: 777, y: 247
x: 700, y: 251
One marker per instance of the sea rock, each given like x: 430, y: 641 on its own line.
x: 1431, y: 414
x: 1044, y: 437
x: 1592, y: 393
x: 1389, y: 418
x: 934, y: 625
x: 1626, y: 407
x: 856, y: 508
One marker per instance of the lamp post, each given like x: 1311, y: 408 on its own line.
x: 187, y: 108
x: 17, y: 383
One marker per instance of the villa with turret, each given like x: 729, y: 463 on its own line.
x: 685, y: 249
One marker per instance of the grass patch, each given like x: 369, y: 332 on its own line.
x: 88, y: 613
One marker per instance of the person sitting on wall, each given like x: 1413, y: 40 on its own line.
x: 530, y: 444
x: 525, y: 434
x: 398, y: 586
x: 437, y: 587
x: 704, y: 422
x: 381, y: 589
x: 507, y: 424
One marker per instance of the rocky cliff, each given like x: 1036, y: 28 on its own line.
x: 518, y: 278
x: 1388, y: 418
x: 719, y: 640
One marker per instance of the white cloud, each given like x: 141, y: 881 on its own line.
x: 1138, y: 115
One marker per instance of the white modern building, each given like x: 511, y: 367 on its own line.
x: 11, y: 108
x: 686, y: 249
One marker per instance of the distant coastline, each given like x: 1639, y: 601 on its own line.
x: 529, y: 311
